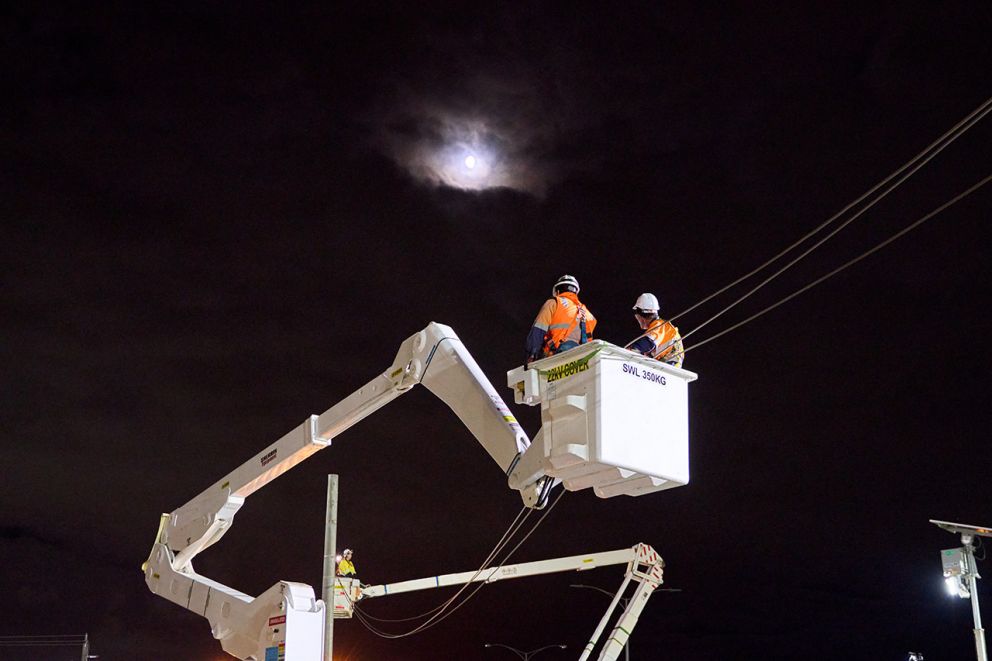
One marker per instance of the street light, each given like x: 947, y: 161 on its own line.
x: 526, y: 656
x: 961, y: 574
x: 623, y: 602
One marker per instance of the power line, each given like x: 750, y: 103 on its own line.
x: 848, y: 263
x: 935, y: 147
x: 75, y: 643
x: 48, y: 641
x: 43, y: 635
x: 444, y: 614
x: 515, y: 526
x: 510, y: 532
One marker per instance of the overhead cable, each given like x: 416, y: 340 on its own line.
x: 43, y: 640
x: 42, y: 635
x: 848, y: 263
x: 444, y: 614
x: 511, y: 531
x: 913, y: 165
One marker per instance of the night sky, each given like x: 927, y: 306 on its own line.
x: 219, y: 220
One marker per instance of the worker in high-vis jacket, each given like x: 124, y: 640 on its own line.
x: 562, y: 323
x: 345, y: 566
x: 660, y: 339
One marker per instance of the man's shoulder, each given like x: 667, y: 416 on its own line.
x: 664, y: 327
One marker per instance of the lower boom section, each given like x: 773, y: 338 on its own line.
x: 284, y: 623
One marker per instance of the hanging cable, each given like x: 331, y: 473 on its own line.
x: 947, y: 139
x: 441, y: 616
x: 950, y: 136
x: 846, y: 264
x: 440, y: 610
x: 511, y: 531
x: 43, y: 640
x: 437, y: 619
x: 509, y: 534
x: 539, y: 521
x: 500, y: 545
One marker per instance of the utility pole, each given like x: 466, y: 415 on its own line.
x: 330, y: 564
x: 969, y: 551
x: 961, y: 573
x: 86, y: 646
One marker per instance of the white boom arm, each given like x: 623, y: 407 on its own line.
x: 612, y: 421
x: 249, y: 628
x: 644, y: 566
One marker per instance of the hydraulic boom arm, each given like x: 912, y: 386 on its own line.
x: 612, y: 421
x: 644, y: 567
x: 434, y: 357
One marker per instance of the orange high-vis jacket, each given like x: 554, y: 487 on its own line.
x: 667, y: 342
x: 559, y: 318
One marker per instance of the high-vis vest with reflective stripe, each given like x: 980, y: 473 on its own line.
x: 667, y: 342
x: 561, y: 317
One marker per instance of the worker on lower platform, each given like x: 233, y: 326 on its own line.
x: 345, y: 566
x: 661, y: 339
x: 562, y: 323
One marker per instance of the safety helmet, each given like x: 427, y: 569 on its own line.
x: 346, y: 552
x: 565, y: 283
x: 646, y: 304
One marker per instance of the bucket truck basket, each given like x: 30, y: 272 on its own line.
x: 346, y: 592
x: 612, y: 420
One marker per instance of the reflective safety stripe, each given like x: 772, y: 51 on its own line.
x: 666, y: 339
x: 564, y: 325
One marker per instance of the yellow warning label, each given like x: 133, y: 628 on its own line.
x: 568, y: 369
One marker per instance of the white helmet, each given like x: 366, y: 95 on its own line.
x: 566, y: 282
x: 646, y: 303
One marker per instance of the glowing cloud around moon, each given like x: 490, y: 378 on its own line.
x: 467, y: 165
x: 468, y: 154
